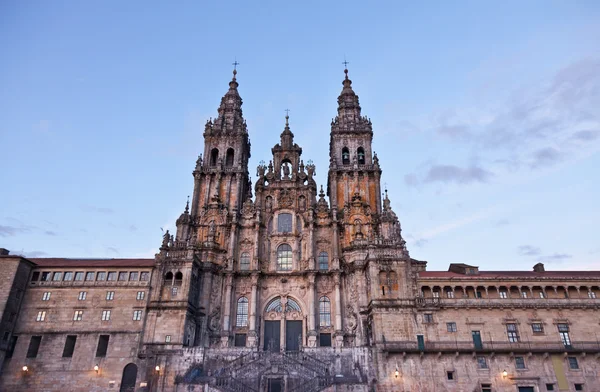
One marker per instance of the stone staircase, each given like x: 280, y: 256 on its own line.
x: 302, y: 372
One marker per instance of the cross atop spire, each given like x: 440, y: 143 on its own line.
x: 287, y: 117
x: 235, y: 64
x: 345, y: 62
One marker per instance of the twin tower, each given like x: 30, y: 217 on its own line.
x: 286, y: 268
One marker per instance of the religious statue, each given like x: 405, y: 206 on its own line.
x: 286, y: 169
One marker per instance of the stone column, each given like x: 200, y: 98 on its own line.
x: 339, y: 334
x: 252, y: 336
x: 312, y: 333
x: 311, y: 244
x: 227, y: 310
x: 282, y: 326
x: 335, y: 261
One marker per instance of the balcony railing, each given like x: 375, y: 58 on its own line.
x: 508, y: 302
x: 491, y: 346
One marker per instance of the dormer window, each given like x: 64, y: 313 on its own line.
x: 345, y: 156
x: 361, y: 156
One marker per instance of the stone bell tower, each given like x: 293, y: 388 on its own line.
x: 353, y: 183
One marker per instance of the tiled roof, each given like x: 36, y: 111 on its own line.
x: 65, y: 262
x: 510, y: 274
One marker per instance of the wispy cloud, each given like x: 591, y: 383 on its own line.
x: 443, y: 228
x: 112, y: 249
x: 528, y: 250
x: 556, y: 257
x: 9, y: 231
x: 101, y: 210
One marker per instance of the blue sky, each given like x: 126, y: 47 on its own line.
x: 486, y: 117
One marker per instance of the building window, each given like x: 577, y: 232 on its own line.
x: 89, y: 276
x: 523, y: 294
x: 579, y: 387
x: 345, y: 156
x: 323, y: 261
x: 284, y: 223
x: 122, y: 276
x: 482, y: 363
x: 169, y: 278
x: 324, y: 312
x: 242, y: 312
x: 145, y: 276
x: 591, y: 294
x: 178, y: 278
x: 245, y: 262
x: 451, y: 375
x: 537, y: 328
x: 361, y: 155
x: 46, y: 296
x: 512, y: 332
x: 79, y: 276
x: 78, y: 315
x: 436, y: 294
x: 68, y: 276
x: 45, y: 276
x: 140, y: 295
x: 503, y: 294
x: 427, y: 318
x: 519, y: 363
x: 41, y: 316
x: 451, y: 327
x: 549, y: 387
x: 101, y: 276
x: 102, y: 345
x: 240, y: 340
x: 82, y: 295
x: 35, y: 276
x: 486, y: 387
x: 110, y: 295
x: 133, y: 276
x: 34, y: 346
x: 137, y: 315
x: 563, y: 331
x: 214, y: 155
x: 542, y: 294
x: 168, y: 339
x: 229, y: 157
x: 57, y: 276
x: 325, y: 340
x: 450, y: 294
x: 105, y: 315
x: 284, y: 257
x: 112, y: 276
x: 573, y: 364
x: 69, y: 346
x: 174, y: 291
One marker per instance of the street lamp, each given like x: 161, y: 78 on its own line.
x: 96, y: 368
x: 504, y: 374
x: 25, y: 369
x: 157, y: 369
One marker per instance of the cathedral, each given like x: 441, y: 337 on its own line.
x: 274, y: 284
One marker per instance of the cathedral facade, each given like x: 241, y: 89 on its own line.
x: 279, y: 285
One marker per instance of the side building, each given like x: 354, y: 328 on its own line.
x: 285, y: 285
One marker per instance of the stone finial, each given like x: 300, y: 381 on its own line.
x: 539, y: 267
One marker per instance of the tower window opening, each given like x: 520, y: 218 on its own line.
x: 214, y: 155
x: 361, y: 155
x: 229, y: 157
x: 178, y: 279
x: 169, y: 278
x: 345, y: 156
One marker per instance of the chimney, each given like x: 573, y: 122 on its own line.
x: 4, y: 252
x: 539, y: 267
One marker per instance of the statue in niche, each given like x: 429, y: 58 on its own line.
x: 166, y: 238
x: 285, y: 167
x: 302, y: 203
x: 269, y: 203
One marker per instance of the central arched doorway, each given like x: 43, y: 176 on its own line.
x: 283, y: 325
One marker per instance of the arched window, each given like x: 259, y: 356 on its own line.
x: 214, y: 155
x: 274, y: 305
x: 241, y: 319
x: 178, y: 278
x: 229, y: 157
x: 324, y: 312
x: 292, y: 305
x: 284, y: 223
x: 284, y: 257
x: 345, y: 156
x: 361, y: 155
x: 244, y: 262
x: 169, y: 278
x: 323, y: 261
